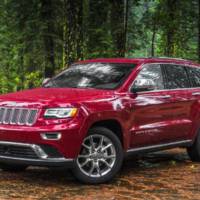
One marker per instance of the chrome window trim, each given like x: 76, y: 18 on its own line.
x: 164, y: 90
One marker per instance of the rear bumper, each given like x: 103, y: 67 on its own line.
x: 32, y: 154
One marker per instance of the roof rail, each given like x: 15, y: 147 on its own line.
x: 172, y: 58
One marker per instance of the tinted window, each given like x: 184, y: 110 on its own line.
x: 176, y: 77
x: 92, y: 75
x: 194, y: 74
x: 150, y: 75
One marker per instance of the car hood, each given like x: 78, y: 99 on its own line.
x: 50, y: 97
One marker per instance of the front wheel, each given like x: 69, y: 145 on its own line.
x: 100, y: 158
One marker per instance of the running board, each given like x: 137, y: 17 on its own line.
x: 159, y: 147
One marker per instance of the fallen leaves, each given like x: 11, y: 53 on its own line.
x: 163, y: 175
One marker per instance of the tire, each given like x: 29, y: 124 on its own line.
x: 194, y: 150
x: 96, y: 164
x: 12, y: 167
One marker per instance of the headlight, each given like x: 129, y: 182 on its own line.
x: 60, y: 112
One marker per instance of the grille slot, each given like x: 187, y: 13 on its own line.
x: 17, y: 151
x: 18, y: 116
x: 7, y: 116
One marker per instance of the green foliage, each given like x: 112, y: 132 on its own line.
x: 41, y: 37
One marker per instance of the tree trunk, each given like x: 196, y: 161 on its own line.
x: 153, y: 40
x: 171, y: 27
x: 80, y: 31
x: 118, y: 27
x: 48, y: 32
x: 126, y: 24
x: 98, y: 28
x: 199, y: 31
x: 73, y: 32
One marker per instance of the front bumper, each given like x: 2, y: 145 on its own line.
x: 68, y: 163
x: 31, y: 154
x: 68, y: 145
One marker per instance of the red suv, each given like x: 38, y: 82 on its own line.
x: 97, y: 111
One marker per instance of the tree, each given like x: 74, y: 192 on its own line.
x: 73, y: 35
x: 48, y: 33
x: 198, y: 30
x: 40, y: 37
x: 98, y: 29
x: 119, y: 26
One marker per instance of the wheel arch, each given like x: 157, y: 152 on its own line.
x: 113, y: 125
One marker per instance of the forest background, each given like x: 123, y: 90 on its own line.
x: 39, y: 38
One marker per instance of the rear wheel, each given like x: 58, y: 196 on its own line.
x: 100, y: 158
x: 194, y: 150
x: 12, y: 167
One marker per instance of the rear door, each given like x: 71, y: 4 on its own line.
x: 178, y: 85
x: 194, y: 74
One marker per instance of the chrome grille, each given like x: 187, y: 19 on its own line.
x: 18, y: 116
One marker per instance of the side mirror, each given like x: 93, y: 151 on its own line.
x: 143, y: 85
x: 45, y: 81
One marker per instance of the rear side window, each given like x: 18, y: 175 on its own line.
x: 176, y: 77
x: 194, y: 74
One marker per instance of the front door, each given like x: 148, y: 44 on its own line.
x: 152, y: 118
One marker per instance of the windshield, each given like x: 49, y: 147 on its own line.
x: 92, y: 75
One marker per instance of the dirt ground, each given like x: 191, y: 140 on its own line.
x: 163, y: 175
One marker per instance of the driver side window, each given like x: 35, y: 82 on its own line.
x: 149, y: 78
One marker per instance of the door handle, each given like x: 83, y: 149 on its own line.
x: 166, y: 97
x: 195, y: 93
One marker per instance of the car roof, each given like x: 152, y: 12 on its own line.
x: 141, y: 60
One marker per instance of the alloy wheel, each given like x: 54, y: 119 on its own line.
x: 97, y: 156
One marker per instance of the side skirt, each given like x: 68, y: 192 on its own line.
x: 159, y: 147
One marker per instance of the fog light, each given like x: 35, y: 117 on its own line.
x: 51, y: 136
